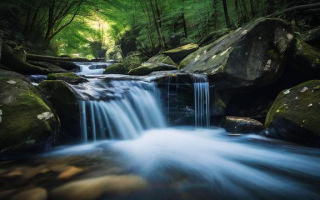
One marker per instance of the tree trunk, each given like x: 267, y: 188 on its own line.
x: 184, y: 26
x: 226, y: 13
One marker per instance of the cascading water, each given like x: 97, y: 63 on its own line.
x: 93, y: 68
x: 201, y: 100
x: 122, y: 113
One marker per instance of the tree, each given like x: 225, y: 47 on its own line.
x: 226, y: 13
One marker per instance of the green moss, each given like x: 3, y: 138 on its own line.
x: 68, y: 77
x: 183, y: 48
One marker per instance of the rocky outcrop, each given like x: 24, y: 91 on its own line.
x: 241, y: 125
x: 295, y: 114
x: 180, y: 53
x: 253, y: 55
x: 65, y: 102
x: 27, y: 122
x: 156, y: 63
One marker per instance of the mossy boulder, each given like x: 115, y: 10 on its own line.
x: 307, y: 59
x: 117, y: 68
x: 132, y: 61
x: 156, y: 63
x: 254, y: 55
x: 241, y: 125
x: 295, y: 114
x: 27, y: 122
x: 180, y: 53
x: 68, y: 77
x: 65, y: 102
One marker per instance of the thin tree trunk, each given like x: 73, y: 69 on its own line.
x: 226, y: 13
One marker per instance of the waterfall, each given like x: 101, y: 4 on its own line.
x: 93, y: 68
x: 133, y: 107
x: 201, y: 100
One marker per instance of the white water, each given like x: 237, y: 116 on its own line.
x: 132, y: 107
x: 93, y: 68
x: 248, y: 167
x: 201, y: 100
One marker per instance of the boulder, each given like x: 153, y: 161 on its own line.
x: 26, y: 120
x: 68, y: 77
x: 65, y: 102
x: 180, y: 53
x: 156, y: 63
x: 307, y: 59
x: 295, y: 114
x: 52, y: 67
x: 132, y: 61
x: 252, y: 55
x: 114, y: 53
x: 241, y: 124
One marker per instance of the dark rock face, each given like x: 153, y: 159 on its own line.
x: 180, y: 53
x: 253, y: 55
x: 27, y: 122
x: 241, y: 125
x: 66, y: 104
x: 295, y: 114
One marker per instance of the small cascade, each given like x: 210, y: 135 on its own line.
x: 201, y: 100
x: 131, y: 108
x: 93, y: 68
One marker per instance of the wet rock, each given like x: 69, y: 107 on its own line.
x: 65, y: 102
x: 295, y: 116
x: 253, y: 55
x: 180, y: 53
x: 96, y: 187
x: 117, y: 68
x: 68, y: 77
x: 52, y: 67
x: 156, y: 63
x: 21, y: 129
x: 32, y: 194
x: 241, y: 124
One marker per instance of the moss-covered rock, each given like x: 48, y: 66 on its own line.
x: 117, y: 68
x: 132, y: 61
x: 295, y: 114
x: 252, y: 55
x: 241, y: 124
x: 156, y: 63
x: 180, y: 53
x: 68, y: 77
x: 27, y: 122
x: 307, y: 58
x: 65, y: 102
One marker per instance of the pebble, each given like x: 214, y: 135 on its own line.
x: 70, y: 172
x: 304, y: 89
x: 93, y: 188
x: 32, y: 194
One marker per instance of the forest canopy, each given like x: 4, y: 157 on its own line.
x: 82, y: 27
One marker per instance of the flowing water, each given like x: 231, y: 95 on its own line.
x: 206, y: 162
x: 93, y: 68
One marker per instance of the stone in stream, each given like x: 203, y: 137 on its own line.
x: 68, y: 77
x: 156, y: 63
x: 22, y: 106
x: 132, y: 61
x: 241, y: 125
x: 295, y: 115
x: 255, y: 54
x: 65, y: 102
x: 96, y: 187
